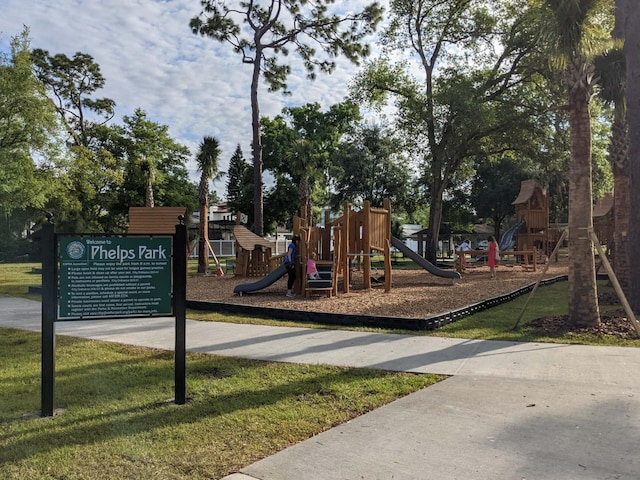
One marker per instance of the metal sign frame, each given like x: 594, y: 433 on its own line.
x: 87, y: 260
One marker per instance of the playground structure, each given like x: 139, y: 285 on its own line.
x: 342, y: 246
x: 354, y: 237
x: 162, y: 220
x: 603, y: 220
x: 357, y: 236
x: 253, y: 254
x: 530, y: 236
x: 532, y: 211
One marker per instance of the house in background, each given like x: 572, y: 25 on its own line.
x: 221, y: 222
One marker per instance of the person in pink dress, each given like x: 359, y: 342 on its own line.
x: 494, y: 255
x: 312, y: 270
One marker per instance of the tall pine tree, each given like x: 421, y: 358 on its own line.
x: 235, y: 178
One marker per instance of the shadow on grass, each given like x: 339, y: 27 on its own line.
x: 124, y: 397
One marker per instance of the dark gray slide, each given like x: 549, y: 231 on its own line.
x: 264, y: 282
x: 507, y: 241
x: 424, y: 263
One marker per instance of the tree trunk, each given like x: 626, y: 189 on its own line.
x: 258, y: 196
x: 619, y: 156
x: 203, y: 252
x: 435, y: 219
x: 304, y: 195
x: 148, y: 196
x: 632, y: 56
x: 583, y: 298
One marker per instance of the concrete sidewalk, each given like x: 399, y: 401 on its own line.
x: 509, y: 411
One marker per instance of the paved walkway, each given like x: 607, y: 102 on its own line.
x: 510, y: 410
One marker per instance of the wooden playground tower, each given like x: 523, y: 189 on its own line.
x: 253, y: 254
x: 532, y: 208
x: 356, y: 236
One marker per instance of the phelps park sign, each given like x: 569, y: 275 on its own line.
x: 92, y: 277
x: 114, y: 276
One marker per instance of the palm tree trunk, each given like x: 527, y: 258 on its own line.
x: 583, y: 299
x: 619, y: 155
x: 203, y: 230
x: 203, y: 252
x: 149, y: 201
x: 305, y: 200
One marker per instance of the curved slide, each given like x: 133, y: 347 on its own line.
x: 506, y: 241
x: 424, y: 263
x: 264, y: 282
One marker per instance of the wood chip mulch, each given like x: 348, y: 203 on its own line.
x: 414, y: 293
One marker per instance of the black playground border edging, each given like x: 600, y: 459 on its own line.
x: 373, y: 321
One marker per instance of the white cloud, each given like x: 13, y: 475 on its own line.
x: 151, y: 60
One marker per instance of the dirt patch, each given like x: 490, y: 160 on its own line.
x: 414, y: 293
x: 616, y: 325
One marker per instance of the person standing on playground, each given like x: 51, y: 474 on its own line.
x: 290, y: 263
x: 312, y: 269
x: 463, y: 247
x: 493, y: 256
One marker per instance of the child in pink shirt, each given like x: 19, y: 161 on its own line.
x: 312, y: 270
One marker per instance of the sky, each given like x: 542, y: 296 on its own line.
x: 151, y: 60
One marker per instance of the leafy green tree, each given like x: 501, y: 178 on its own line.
x: 470, y: 61
x: 90, y: 174
x: 262, y: 32
x: 28, y: 129
x: 496, y: 185
x: 300, y: 143
x: 87, y: 189
x: 207, y: 158
x: 27, y: 125
x: 370, y: 166
x: 153, y: 159
x: 71, y: 82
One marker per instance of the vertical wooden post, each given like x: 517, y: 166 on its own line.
x: 298, y: 224
x: 346, y: 228
x: 366, y: 244
x: 387, y: 247
x: 544, y: 270
x: 614, y: 281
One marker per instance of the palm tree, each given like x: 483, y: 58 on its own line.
x: 207, y: 158
x: 574, y: 42
x: 611, y: 70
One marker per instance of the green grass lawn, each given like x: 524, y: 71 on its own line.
x: 493, y: 324
x: 118, y: 420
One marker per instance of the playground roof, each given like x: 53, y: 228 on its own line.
x: 159, y: 220
x: 527, y: 189
x: 249, y: 240
x: 603, y: 206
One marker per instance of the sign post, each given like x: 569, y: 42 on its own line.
x: 49, y: 294
x: 112, y: 276
x: 180, y: 310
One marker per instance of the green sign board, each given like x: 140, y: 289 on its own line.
x: 113, y: 276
